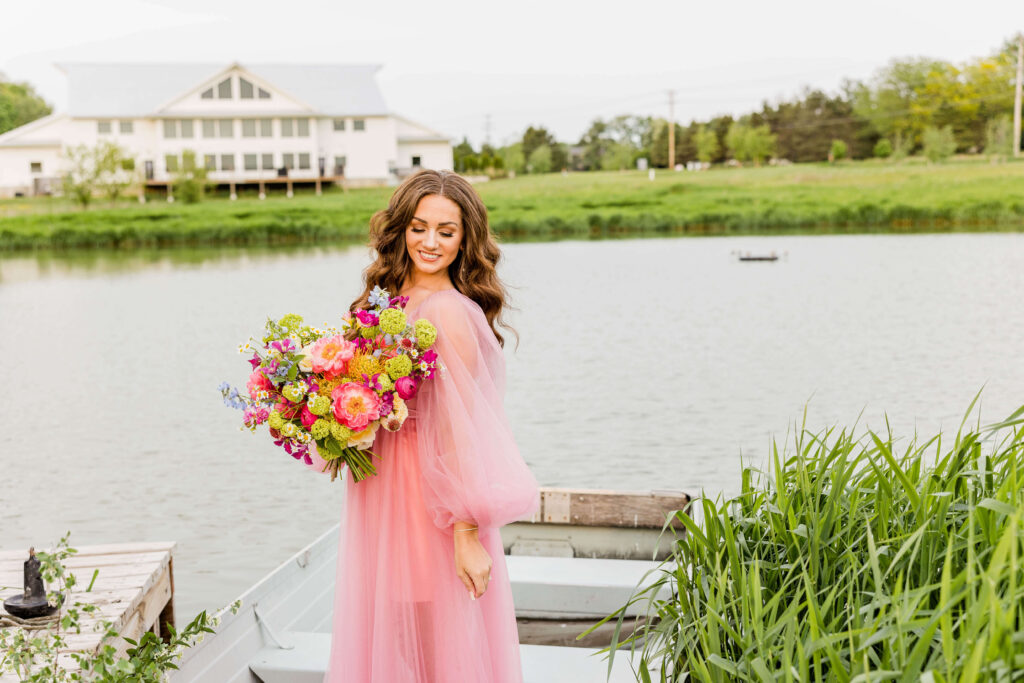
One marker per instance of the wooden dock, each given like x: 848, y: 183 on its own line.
x: 134, y: 589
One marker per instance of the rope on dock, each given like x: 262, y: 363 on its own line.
x: 33, y: 624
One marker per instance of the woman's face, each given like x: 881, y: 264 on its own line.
x: 434, y: 235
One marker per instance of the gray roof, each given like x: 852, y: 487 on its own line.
x: 116, y: 90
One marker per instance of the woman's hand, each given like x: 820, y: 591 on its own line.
x: 472, y: 563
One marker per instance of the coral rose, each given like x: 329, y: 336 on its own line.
x: 258, y: 382
x: 355, y: 405
x: 331, y: 355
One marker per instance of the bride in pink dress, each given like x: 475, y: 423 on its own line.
x: 422, y: 593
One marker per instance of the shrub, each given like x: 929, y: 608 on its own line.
x: 883, y: 148
x: 939, y: 143
x: 837, y: 151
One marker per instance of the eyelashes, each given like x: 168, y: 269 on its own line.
x: 443, y: 234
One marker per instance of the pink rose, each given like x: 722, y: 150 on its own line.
x: 406, y: 387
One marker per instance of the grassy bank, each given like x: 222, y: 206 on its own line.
x: 855, y: 559
x: 855, y: 197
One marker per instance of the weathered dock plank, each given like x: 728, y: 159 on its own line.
x: 133, y: 589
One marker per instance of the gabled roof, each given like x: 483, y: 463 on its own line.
x: 14, y: 137
x: 136, y: 90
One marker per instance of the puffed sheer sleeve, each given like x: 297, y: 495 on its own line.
x: 471, y: 466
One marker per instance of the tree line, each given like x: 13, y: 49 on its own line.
x: 915, y: 105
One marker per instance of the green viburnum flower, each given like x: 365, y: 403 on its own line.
x: 340, y: 432
x: 289, y: 429
x: 399, y: 366
x: 290, y: 322
x: 392, y: 321
x: 320, y: 429
x: 319, y: 406
x: 368, y: 332
x: 293, y: 393
x: 275, y: 421
x: 426, y: 333
x: 385, y: 382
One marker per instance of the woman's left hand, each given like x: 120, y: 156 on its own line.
x: 472, y: 562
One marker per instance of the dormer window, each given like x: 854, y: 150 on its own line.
x: 264, y: 95
x: 224, y: 89
x: 245, y: 89
x: 207, y: 94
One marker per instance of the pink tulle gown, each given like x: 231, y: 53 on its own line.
x: 401, y: 614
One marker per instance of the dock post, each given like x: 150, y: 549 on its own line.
x: 289, y: 193
x: 318, y: 190
x: 167, y: 613
x: 263, y: 190
x: 234, y: 195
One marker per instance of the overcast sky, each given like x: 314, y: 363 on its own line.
x: 451, y: 65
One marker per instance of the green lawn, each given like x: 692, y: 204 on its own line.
x: 967, y: 194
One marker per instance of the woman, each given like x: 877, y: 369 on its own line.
x: 422, y: 594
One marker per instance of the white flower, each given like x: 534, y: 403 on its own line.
x: 366, y: 436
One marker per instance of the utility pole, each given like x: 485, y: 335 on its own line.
x: 1017, y: 96
x: 672, y: 127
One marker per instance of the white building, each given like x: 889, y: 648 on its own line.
x: 250, y: 124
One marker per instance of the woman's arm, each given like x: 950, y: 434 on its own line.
x: 472, y: 561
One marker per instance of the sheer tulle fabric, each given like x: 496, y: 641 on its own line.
x: 400, y: 612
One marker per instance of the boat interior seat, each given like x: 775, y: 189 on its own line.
x: 578, y: 587
x: 307, y: 661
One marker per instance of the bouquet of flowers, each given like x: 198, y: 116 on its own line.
x: 317, y: 387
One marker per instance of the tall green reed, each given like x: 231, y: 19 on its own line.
x: 853, y: 559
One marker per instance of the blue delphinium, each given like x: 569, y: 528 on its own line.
x: 379, y: 298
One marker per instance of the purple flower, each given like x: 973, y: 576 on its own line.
x: 255, y: 361
x: 372, y: 382
x: 367, y: 319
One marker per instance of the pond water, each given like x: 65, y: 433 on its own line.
x: 643, y: 364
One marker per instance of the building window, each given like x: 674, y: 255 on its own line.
x: 171, y: 162
x: 339, y: 124
x: 170, y: 128
x: 264, y: 95
x: 186, y: 128
x: 128, y: 164
x: 224, y: 89
x: 416, y: 162
x: 358, y: 124
x: 209, y: 128
x: 266, y: 128
x: 287, y: 128
x: 103, y: 126
x: 339, y: 165
x: 210, y: 162
x: 304, y: 161
x: 207, y: 94
x: 249, y: 162
x: 288, y: 161
x: 244, y: 89
x: 248, y: 128
x: 267, y: 162
x: 35, y: 166
x: 126, y: 127
x: 303, y: 128
x: 227, y: 162
x: 227, y: 130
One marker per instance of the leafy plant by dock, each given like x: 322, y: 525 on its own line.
x: 852, y: 560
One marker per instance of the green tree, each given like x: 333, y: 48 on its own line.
x: 750, y: 143
x: 999, y: 137
x: 534, y: 138
x: 82, y: 174
x: 619, y: 156
x: 659, y: 143
x: 512, y: 157
x: 882, y: 148
x: 540, y: 160
x: 837, y: 151
x: 707, y: 144
x: 459, y: 154
x: 19, y: 104
x: 189, y: 182
x: 939, y: 143
x: 595, y: 143
x: 559, y: 156
x: 114, y: 170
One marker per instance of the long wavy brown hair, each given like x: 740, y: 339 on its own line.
x: 473, y: 272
